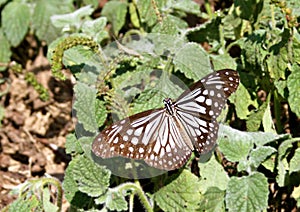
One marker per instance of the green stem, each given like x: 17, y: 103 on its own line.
x: 57, y: 184
x: 131, y: 198
x: 137, y: 189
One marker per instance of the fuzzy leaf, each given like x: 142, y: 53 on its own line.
x: 70, y: 186
x: 234, y: 144
x: 193, y: 61
x: 243, y: 101
x: 212, y: 170
x: 182, y: 194
x: 42, y: 24
x: 113, y: 200
x: 146, y: 12
x: 295, y: 162
x: 187, y: 6
x: 101, y: 112
x: 91, y: 178
x: 85, y: 106
x: 296, y: 195
x: 293, y: 84
x: 115, y: 11
x: 73, y: 145
x: 248, y: 193
x: 47, y: 204
x: 96, y: 28
x: 5, y: 52
x: 15, y: 21
x: 259, y: 154
x: 213, y: 200
x: 73, y: 19
x: 223, y: 61
x: 24, y: 205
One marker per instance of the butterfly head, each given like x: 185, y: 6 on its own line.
x: 168, y: 106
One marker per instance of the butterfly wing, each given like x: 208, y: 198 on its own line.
x: 199, y: 107
x: 150, y: 135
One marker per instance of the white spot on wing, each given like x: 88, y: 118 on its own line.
x: 134, y: 140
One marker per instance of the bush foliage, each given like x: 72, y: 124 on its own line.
x: 164, y: 43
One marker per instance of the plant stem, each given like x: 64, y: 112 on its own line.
x: 137, y: 189
x: 57, y: 184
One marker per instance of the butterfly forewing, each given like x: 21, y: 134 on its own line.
x: 199, y: 107
x: 164, y: 138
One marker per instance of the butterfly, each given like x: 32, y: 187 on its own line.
x: 165, y: 138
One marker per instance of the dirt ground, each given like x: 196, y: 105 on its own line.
x: 32, y: 132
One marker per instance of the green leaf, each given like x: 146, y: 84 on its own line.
x: 293, y: 84
x: 243, y: 100
x: 96, y: 29
x: 24, y: 205
x: 255, y: 118
x: 212, y: 170
x: 223, y: 61
x: 43, y: 10
x: 187, y: 6
x: 282, y: 164
x: 115, y: 11
x: 134, y: 18
x: 84, y: 63
x: 267, y: 120
x: 278, y: 60
x: 296, y: 195
x: 208, y: 32
x: 281, y: 86
x: 73, y: 145
x: 295, y: 162
x: 149, y: 99
x: 101, y: 112
x: 2, y: 2
x: 262, y: 115
x: 164, y: 45
x: 252, y: 51
x: 73, y: 19
x: 130, y: 81
x: 113, y: 200
x: 90, y: 178
x: 159, y: 90
x: 193, y: 61
x: 182, y: 194
x: 234, y: 144
x: 70, y: 187
x: 5, y: 52
x: 269, y: 163
x: 248, y: 193
x: 259, y: 154
x: 15, y: 21
x: 249, y: 10
x: 85, y: 106
x: 212, y: 200
x: 168, y: 26
x: 296, y: 46
x: 146, y: 12
x: 47, y: 204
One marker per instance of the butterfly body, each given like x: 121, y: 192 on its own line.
x: 165, y: 138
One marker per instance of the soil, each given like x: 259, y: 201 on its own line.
x: 33, y: 132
